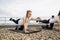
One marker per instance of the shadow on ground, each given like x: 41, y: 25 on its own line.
x: 30, y: 31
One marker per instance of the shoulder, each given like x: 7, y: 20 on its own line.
x: 24, y: 17
x: 57, y: 17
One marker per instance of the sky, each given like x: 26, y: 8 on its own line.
x: 18, y: 8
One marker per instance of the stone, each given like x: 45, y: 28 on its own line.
x: 7, y: 34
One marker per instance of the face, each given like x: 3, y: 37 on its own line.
x: 29, y: 14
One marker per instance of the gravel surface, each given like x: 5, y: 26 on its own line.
x: 35, y: 34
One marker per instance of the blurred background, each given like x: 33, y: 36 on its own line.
x: 17, y: 9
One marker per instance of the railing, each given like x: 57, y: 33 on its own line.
x: 5, y: 20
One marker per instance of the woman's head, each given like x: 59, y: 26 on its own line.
x: 29, y: 13
x: 52, y: 16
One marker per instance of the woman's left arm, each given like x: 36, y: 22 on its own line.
x: 35, y: 19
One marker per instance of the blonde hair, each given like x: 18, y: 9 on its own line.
x: 28, y: 12
x: 59, y: 13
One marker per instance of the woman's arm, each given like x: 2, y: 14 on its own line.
x: 35, y: 19
x: 25, y: 24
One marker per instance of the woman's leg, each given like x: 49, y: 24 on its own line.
x: 45, y: 27
x: 46, y: 22
x: 15, y: 21
x: 43, y: 21
x: 21, y: 27
x: 51, y: 25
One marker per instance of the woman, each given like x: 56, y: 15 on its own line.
x: 50, y: 21
x: 59, y: 21
x: 24, y: 21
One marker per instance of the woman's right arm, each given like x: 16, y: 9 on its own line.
x: 25, y: 24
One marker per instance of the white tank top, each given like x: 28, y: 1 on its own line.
x: 20, y: 22
x: 55, y: 19
x: 52, y: 20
